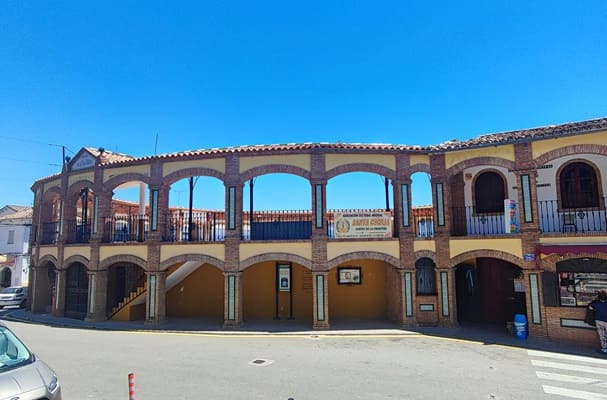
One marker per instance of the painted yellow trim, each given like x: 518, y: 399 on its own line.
x: 544, y: 146
x: 429, y: 245
x: 512, y: 246
x: 48, y: 251
x: 110, y: 173
x: 419, y: 159
x: 297, y: 160
x: 337, y: 160
x: 84, y: 251
x: 248, y: 250
x: 51, y: 184
x: 574, y: 240
x: 172, y: 250
x: 453, y: 157
x: 109, y: 251
x: 217, y: 164
x: 336, y: 249
x: 86, y: 176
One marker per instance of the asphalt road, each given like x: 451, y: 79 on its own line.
x: 95, y: 365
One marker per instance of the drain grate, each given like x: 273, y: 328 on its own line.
x: 260, y: 362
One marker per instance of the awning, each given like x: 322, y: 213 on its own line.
x: 562, y: 249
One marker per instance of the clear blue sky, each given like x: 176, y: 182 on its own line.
x: 115, y: 74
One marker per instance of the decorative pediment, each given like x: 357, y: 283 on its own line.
x: 83, y: 160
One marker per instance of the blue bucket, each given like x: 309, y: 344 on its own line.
x: 520, y: 326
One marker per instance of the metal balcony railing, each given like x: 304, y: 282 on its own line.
x: 207, y: 226
x: 77, y: 231
x: 277, y: 225
x: 50, y: 233
x: 466, y: 222
x: 556, y: 219
x: 125, y: 228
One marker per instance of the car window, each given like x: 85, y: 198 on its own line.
x: 13, y: 352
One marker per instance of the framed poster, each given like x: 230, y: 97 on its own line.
x: 348, y: 276
x: 284, y: 278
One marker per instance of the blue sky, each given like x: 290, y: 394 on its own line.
x: 210, y: 74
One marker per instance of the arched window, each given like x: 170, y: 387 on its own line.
x: 425, y: 276
x: 489, y: 193
x: 578, y: 185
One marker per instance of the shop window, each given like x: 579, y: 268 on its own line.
x: 489, y: 193
x: 577, y: 289
x: 578, y: 186
x: 425, y: 277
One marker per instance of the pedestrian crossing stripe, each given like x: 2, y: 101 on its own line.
x: 573, y: 393
x: 570, y: 379
x: 568, y: 357
x: 573, y: 367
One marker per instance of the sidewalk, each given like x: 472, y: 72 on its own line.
x: 482, y: 334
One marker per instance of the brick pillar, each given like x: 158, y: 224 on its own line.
x: 320, y: 286
x: 232, y: 310
x: 96, y: 308
x: 39, y: 295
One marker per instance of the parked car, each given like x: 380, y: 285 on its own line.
x: 13, y: 296
x: 23, y: 375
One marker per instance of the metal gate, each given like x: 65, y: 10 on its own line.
x: 76, y: 291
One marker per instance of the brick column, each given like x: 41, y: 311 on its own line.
x: 58, y: 306
x: 96, y: 307
x: 320, y: 287
x: 39, y: 294
x: 232, y: 310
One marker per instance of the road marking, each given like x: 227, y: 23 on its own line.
x: 566, y: 378
x: 536, y: 353
x: 573, y: 367
x: 574, y: 394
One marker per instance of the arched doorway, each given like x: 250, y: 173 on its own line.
x: 76, y: 291
x: 487, y: 292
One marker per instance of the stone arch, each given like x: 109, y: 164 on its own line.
x: 294, y: 258
x: 73, y: 189
x: 480, y: 161
x: 597, y: 174
x: 361, y: 167
x: 106, y: 263
x: 363, y: 255
x: 420, y: 168
x: 75, y: 259
x: 425, y: 254
x: 569, y: 151
x: 274, y: 169
x: 188, y: 172
x: 54, y: 190
x: 202, y: 258
x: 500, y: 255
x: 48, y: 258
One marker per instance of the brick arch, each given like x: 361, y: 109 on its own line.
x: 118, y: 180
x: 188, y: 172
x: 361, y: 167
x: 597, y: 175
x: 420, y: 168
x: 478, y: 162
x: 363, y: 255
x: 500, y: 255
x: 425, y: 254
x: 202, y: 258
x: 274, y: 169
x: 106, y: 263
x: 73, y: 189
x: 570, y: 151
x: 76, y: 259
x: 55, y: 190
x: 48, y: 258
x: 276, y: 256
x: 549, y: 263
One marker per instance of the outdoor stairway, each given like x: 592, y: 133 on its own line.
x: 139, y: 290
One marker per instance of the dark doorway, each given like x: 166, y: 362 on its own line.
x: 76, y: 291
x: 5, y: 280
x: 486, y: 291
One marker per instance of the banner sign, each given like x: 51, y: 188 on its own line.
x: 363, y: 225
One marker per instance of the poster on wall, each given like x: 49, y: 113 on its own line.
x: 348, y: 276
x: 284, y: 278
x: 510, y: 216
x: 362, y: 224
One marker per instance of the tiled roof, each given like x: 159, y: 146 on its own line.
x: 21, y: 213
x: 109, y: 156
x: 549, y: 131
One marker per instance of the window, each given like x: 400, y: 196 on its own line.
x: 11, y: 237
x: 578, y: 186
x: 489, y: 193
x: 579, y: 280
x: 425, y: 277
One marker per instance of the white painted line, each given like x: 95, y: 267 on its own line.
x: 574, y: 394
x: 560, y: 356
x: 565, y: 378
x: 572, y: 367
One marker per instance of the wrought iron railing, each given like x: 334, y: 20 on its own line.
x: 556, y: 219
x: 125, y: 228
x: 466, y: 222
x: 50, y: 233
x: 207, y: 226
x: 277, y: 225
x: 77, y: 231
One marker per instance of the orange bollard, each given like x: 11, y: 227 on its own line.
x: 131, y: 386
